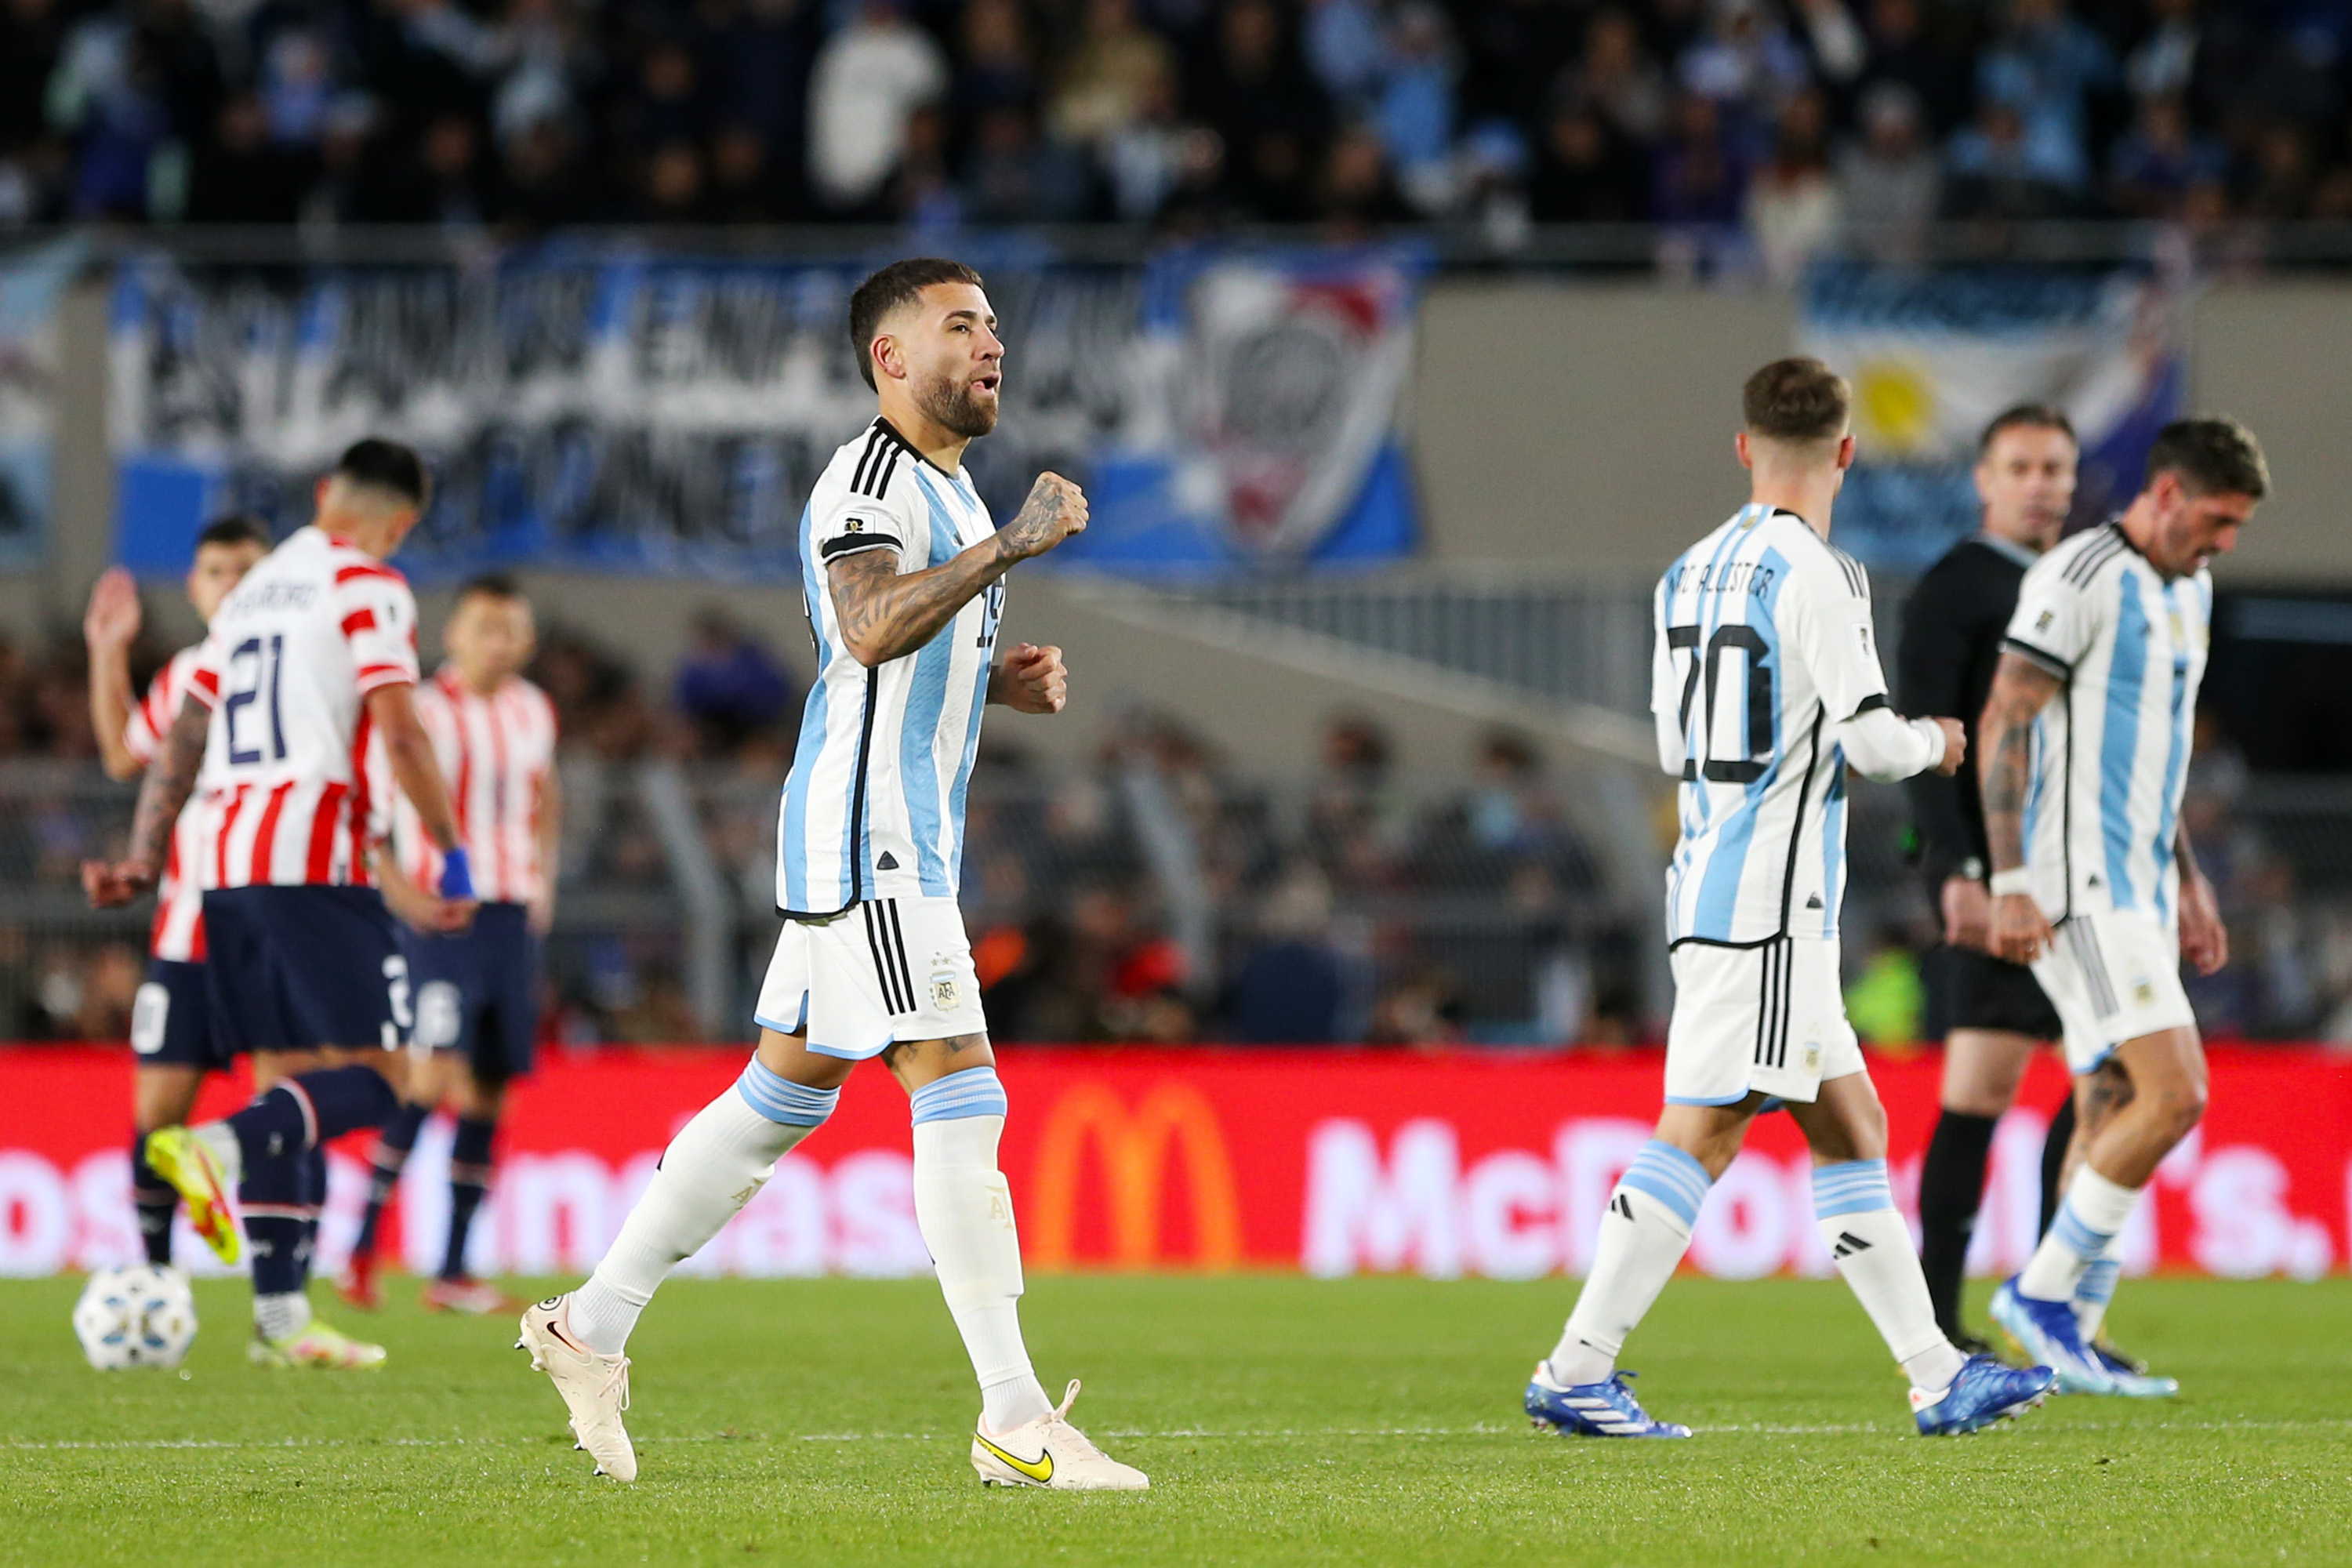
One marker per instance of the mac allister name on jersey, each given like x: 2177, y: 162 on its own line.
x: 1762, y: 645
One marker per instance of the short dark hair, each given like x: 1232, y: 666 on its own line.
x: 2026, y: 416
x: 2214, y: 456
x: 387, y: 466
x: 490, y: 585
x: 1796, y: 400
x: 236, y: 528
x: 900, y: 283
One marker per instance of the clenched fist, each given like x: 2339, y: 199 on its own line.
x: 1031, y: 680
x: 1055, y: 509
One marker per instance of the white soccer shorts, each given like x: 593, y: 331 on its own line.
x: 886, y: 971
x: 2113, y: 976
x: 1769, y: 1018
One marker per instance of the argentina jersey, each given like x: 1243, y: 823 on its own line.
x: 1761, y: 647
x: 874, y: 806
x: 2111, y: 751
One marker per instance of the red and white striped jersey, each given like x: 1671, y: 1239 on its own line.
x: 291, y: 657
x: 496, y: 754
x: 178, y: 933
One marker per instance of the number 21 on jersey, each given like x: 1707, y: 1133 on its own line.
x: 1746, y: 749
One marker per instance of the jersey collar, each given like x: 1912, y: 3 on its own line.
x: 892, y: 431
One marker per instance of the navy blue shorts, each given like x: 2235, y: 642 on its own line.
x: 295, y: 968
x: 478, y: 991
x: 171, y: 1019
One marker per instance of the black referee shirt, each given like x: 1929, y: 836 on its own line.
x: 1952, y: 630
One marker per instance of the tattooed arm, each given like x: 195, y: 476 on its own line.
x: 170, y: 779
x: 2020, y: 690
x: 885, y: 615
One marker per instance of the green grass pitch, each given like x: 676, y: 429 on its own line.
x: 1282, y: 1420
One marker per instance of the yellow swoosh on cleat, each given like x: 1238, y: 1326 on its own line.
x: 1039, y: 1469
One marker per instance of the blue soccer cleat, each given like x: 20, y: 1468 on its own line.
x: 2048, y: 1332
x: 1592, y: 1409
x: 1984, y: 1392
x: 2132, y: 1378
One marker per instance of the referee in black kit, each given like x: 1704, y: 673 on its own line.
x: 1952, y: 632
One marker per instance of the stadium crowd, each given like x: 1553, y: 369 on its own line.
x: 1793, y: 120
x: 1345, y: 901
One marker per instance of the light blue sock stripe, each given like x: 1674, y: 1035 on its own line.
x: 1852, y: 1186
x: 2098, y: 1286
x: 2070, y: 1232
x: 1669, y: 1175
x: 975, y: 1091
x: 782, y: 1101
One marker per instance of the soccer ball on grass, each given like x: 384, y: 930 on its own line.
x: 139, y: 1316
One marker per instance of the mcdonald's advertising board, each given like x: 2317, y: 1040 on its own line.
x: 1331, y: 1162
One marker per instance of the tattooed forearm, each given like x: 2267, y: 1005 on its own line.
x: 884, y: 615
x: 2020, y: 690
x: 170, y: 780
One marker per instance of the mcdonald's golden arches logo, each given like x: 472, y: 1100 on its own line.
x: 1136, y: 1148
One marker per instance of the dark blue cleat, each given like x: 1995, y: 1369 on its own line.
x: 1984, y: 1392
x: 1592, y: 1409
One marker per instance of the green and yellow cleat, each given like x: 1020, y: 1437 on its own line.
x: 183, y: 1159
x: 317, y: 1345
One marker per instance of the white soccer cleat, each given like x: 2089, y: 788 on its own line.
x: 1051, y: 1452
x: 595, y: 1387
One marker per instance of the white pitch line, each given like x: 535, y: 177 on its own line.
x: 1176, y: 1435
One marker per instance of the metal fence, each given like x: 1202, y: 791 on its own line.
x: 1157, y: 897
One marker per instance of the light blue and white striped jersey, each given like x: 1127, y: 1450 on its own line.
x: 1761, y: 646
x: 2111, y: 751
x: 874, y: 806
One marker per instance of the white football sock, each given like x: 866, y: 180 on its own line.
x: 2095, y: 1210
x: 277, y: 1317
x: 2092, y: 1294
x: 964, y: 1207
x: 1644, y: 1234
x: 1854, y: 1205
x: 710, y: 1170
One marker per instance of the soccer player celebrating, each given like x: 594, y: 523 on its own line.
x: 476, y: 989
x: 903, y: 583
x: 1765, y: 685
x: 1952, y: 632
x: 311, y: 653
x: 2093, y: 882
x: 171, y: 1033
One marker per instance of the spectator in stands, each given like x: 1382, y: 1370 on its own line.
x: 1108, y: 78
x: 1748, y: 65
x: 1356, y: 198
x: 1259, y: 95
x: 1416, y: 112
x: 868, y: 79
x: 1699, y: 180
x: 1347, y: 44
x: 763, y: 55
x: 1997, y: 174
x: 1019, y: 177
x: 728, y: 685
x: 999, y: 65
x: 1901, y: 53
x: 1619, y: 80
x: 1890, y: 185
x: 1288, y: 987
x: 2044, y: 67
x: 243, y: 175
x: 1793, y: 210
x: 2160, y: 159
x: 1513, y: 53
x: 1583, y: 171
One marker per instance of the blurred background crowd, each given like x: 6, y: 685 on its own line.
x: 1797, y: 124
x: 1151, y: 892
